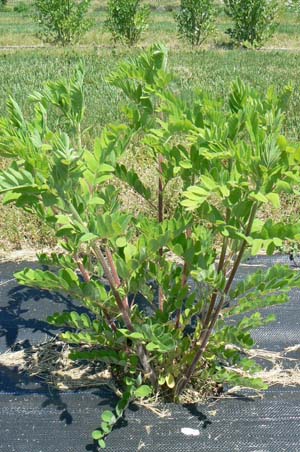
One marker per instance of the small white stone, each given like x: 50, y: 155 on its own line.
x: 190, y: 431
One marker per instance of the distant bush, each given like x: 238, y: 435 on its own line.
x: 196, y: 20
x: 294, y: 6
x: 22, y: 8
x: 62, y: 21
x: 253, y: 20
x: 3, y: 4
x: 127, y: 20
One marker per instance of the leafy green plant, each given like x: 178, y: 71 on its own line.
x: 231, y: 161
x: 294, y: 7
x: 253, y: 20
x: 22, y: 8
x: 196, y: 20
x: 62, y: 22
x: 3, y: 5
x: 127, y: 20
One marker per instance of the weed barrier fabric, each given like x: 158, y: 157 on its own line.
x: 23, y: 310
x: 61, y: 423
x: 35, y: 418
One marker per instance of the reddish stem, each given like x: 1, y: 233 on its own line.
x: 205, y: 337
x: 112, y: 267
x: 107, y: 272
x: 87, y: 279
x: 115, y: 274
x: 184, y: 278
x: 160, y: 220
x: 83, y: 271
x: 141, y: 351
x: 160, y: 191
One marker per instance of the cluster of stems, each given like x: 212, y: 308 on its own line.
x: 111, y: 274
x: 216, y: 302
x: 215, y: 306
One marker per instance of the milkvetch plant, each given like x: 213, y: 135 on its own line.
x: 134, y: 272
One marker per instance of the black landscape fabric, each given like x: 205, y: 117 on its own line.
x: 34, y: 418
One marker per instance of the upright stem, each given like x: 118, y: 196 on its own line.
x: 220, y: 268
x: 108, y: 274
x: 85, y: 274
x: 185, y: 379
x: 184, y: 278
x: 141, y: 351
x: 160, y: 220
x: 124, y: 310
x: 115, y: 274
x: 209, y: 312
x: 205, y: 337
x: 112, y: 266
x: 242, y: 249
x: 87, y: 279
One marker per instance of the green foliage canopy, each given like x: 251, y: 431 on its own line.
x: 62, y: 22
x: 253, y: 20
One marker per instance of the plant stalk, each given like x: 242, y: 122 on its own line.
x: 205, y: 337
x: 220, y: 268
x: 242, y: 249
x: 184, y: 278
x: 160, y: 220
x: 107, y: 272
x: 115, y: 274
x: 85, y: 274
x: 87, y: 279
x: 141, y: 351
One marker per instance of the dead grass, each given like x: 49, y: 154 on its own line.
x: 51, y: 363
x: 20, y: 230
x: 280, y: 376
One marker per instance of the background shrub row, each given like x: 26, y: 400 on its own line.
x: 64, y: 22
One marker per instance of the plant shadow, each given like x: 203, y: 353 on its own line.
x: 16, y: 316
x: 193, y: 409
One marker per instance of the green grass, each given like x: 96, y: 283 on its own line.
x: 21, y: 73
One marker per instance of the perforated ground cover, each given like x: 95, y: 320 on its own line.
x: 34, y: 418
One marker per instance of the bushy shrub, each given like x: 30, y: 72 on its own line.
x: 253, y: 20
x: 294, y: 7
x: 62, y: 21
x: 230, y: 159
x: 196, y: 20
x: 3, y: 4
x: 22, y: 8
x: 127, y: 20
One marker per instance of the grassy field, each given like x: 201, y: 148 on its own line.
x: 212, y: 68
